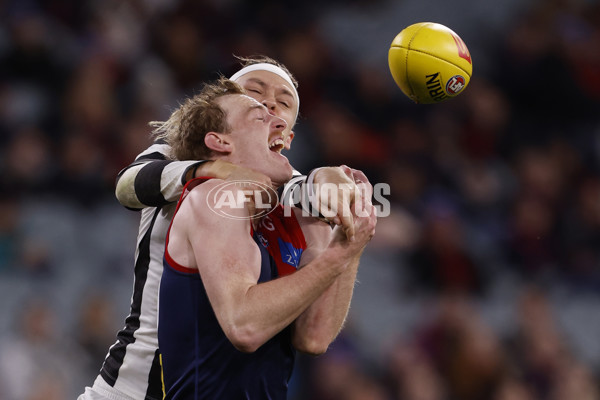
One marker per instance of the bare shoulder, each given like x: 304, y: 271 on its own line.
x: 216, y: 200
x: 203, y: 190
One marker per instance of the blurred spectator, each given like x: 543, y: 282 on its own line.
x: 95, y: 331
x: 575, y: 381
x: 581, y: 235
x: 36, y: 353
x: 10, y: 239
x: 339, y: 374
x: 412, y: 374
x: 490, y: 192
x: 463, y: 349
x: 538, y: 347
x: 28, y: 163
x: 441, y: 262
x: 533, y: 245
x: 513, y: 389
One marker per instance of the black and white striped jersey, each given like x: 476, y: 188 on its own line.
x: 153, y: 184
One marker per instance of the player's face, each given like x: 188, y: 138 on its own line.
x: 276, y: 94
x: 257, y: 137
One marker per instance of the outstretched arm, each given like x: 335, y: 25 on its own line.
x: 153, y: 180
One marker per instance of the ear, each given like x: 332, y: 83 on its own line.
x: 288, y: 141
x: 217, y: 142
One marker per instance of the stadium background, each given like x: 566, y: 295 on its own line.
x: 482, y: 284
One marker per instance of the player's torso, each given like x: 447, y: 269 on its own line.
x: 196, y: 354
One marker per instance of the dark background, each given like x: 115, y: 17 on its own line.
x: 482, y: 284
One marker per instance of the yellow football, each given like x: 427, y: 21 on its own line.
x: 430, y: 63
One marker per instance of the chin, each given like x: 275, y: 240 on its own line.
x: 289, y: 172
x: 282, y: 175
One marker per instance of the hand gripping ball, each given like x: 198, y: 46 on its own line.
x: 430, y: 63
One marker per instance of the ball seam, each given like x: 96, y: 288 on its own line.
x: 431, y: 55
x: 412, y: 91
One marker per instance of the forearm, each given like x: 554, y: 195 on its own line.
x: 267, y: 308
x: 321, y: 322
x: 156, y: 182
x: 152, y: 183
x: 213, y: 168
x: 152, y: 180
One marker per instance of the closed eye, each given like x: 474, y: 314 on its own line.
x: 262, y: 117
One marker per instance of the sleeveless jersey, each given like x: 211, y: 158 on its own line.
x: 198, y: 360
x: 131, y: 368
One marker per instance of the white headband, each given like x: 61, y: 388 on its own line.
x: 270, y: 68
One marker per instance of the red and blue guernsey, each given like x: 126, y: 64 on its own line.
x: 198, y: 361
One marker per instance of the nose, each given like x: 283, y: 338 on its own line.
x: 277, y: 123
x: 271, y: 104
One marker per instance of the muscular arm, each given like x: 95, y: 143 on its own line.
x: 319, y: 325
x: 322, y: 321
x: 249, y: 313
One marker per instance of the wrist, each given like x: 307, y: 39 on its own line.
x: 213, y: 168
x: 336, y: 257
x: 196, y: 170
x: 221, y: 169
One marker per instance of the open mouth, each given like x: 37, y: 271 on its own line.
x: 276, y: 145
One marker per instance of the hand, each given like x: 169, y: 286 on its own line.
x: 253, y: 181
x: 364, y: 223
x: 359, y: 177
x: 227, y: 171
x: 336, y: 190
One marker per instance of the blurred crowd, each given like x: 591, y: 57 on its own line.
x: 491, y: 253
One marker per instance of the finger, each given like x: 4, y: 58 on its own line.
x: 373, y: 219
x: 347, y: 170
x: 325, y: 206
x: 361, y: 207
x: 332, y: 219
x: 366, y: 190
x: 346, y: 219
x: 359, y: 176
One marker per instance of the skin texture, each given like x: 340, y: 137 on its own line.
x: 276, y: 94
x: 315, y: 298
